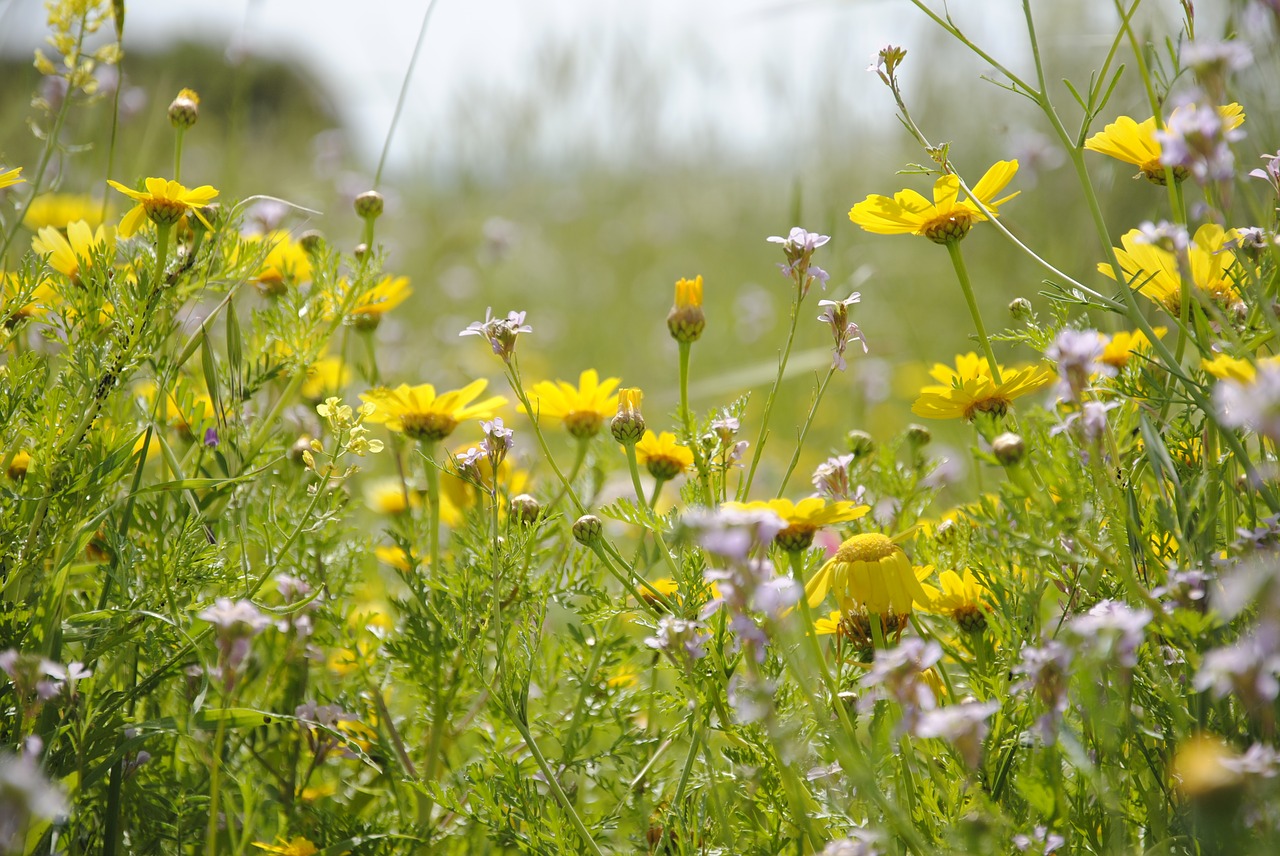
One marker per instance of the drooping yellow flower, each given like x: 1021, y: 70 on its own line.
x: 15, y: 307
x: 1136, y: 143
x: 662, y: 455
x: 420, y: 414
x: 969, y: 389
x: 164, y: 203
x: 11, y: 177
x: 59, y: 210
x: 285, y: 262
x: 1225, y: 367
x: 374, y: 302
x: 19, y: 465
x: 869, y: 573
x: 325, y: 377
x: 803, y: 518
x: 962, y: 599
x: 1155, y: 273
x: 67, y: 255
x: 298, y: 846
x: 583, y: 408
x: 1123, y: 345
x: 943, y: 220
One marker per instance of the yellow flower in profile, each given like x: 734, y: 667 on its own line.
x: 962, y: 599
x: 67, y: 255
x: 1136, y: 143
x: 420, y: 414
x: 284, y: 263
x: 325, y: 377
x: 946, y: 218
x: 803, y: 518
x: 299, y: 846
x: 1120, y: 347
x: 1224, y: 367
x: 397, y: 558
x: 389, y: 496
x: 12, y: 177
x: 19, y: 464
x: 1155, y: 272
x: 868, y: 573
x: 164, y: 203
x: 969, y: 389
x: 374, y: 302
x: 582, y: 409
x: 17, y: 307
x: 60, y: 210
x: 623, y: 676
x: 665, y: 586
x: 662, y: 455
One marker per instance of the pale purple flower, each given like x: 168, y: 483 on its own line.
x: 1252, y: 239
x: 1046, y: 671
x: 497, y: 441
x: 800, y: 241
x: 859, y: 843
x: 725, y: 428
x: 35, y: 679
x: 732, y: 534
x: 1216, y: 59
x: 1170, y: 237
x: 1078, y: 354
x: 1250, y: 668
x: 898, y: 674
x: 501, y: 332
x: 1258, y: 760
x: 1112, y: 631
x: 236, y: 624
x: 468, y: 463
x: 26, y: 795
x: 1041, y: 838
x: 831, y: 478
x: 1252, y: 404
x: 1270, y: 172
x: 751, y: 700
x: 1196, y: 139
x: 963, y: 725
x: 211, y: 438
x: 681, y: 640
x: 1089, y: 422
x: 886, y: 62
x: 799, y: 246
x: 836, y: 313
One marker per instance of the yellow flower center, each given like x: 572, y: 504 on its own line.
x: 428, y: 426
x: 952, y: 227
x: 869, y: 547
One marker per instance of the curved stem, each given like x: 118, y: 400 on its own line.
x: 804, y: 430
x: 744, y: 486
x: 962, y: 273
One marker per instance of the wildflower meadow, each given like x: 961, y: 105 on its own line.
x: 268, y: 587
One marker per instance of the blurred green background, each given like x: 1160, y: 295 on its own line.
x: 582, y: 194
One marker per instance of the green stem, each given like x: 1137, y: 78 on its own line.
x: 804, y: 430
x: 215, y: 784
x: 745, y: 486
x: 517, y: 386
x: 686, y: 415
x: 404, y: 91
x: 433, y: 500
x: 177, y: 153
x: 634, y: 467
x: 962, y: 273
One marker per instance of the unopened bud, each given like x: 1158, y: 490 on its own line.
x: 525, y: 508
x: 311, y: 241
x: 628, y: 426
x: 360, y: 251
x: 860, y: 443
x: 686, y: 320
x: 299, y: 449
x: 185, y: 109
x: 587, y: 529
x: 918, y: 435
x: 1020, y: 309
x: 369, y: 204
x: 1009, y: 449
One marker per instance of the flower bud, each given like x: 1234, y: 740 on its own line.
x: 686, y: 320
x: 311, y: 241
x: 525, y: 509
x: 860, y: 443
x: 628, y: 426
x: 918, y: 435
x: 369, y: 204
x: 1009, y: 449
x: 587, y: 529
x: 19, y: 465
x: 360, y: 252
x: 1020, y: 309
x: 185, y: 110
x: 299, y: 449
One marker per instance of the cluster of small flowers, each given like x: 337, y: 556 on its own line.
x: 501, y: 332
x: 799, y: 245
x: 680, y: 639
x: 37, y: 679
x: 236, y: 623
x: 1046, y: 671
x: 498, y: 440
x: 26, y: 794
x: 347, y: 424
x: 323, y: 735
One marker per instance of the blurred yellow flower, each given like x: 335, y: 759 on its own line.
x: 298, y: 846
x: 1136, y: 143
x: 969, y: 389
x: 962, y: 599
x: 35, y: 304
x: 397, y: 558
x: 1155, y: 272
x: 59, y: 210
x: 583, y: 408
x: 11, y: 177
x: 325, y: 377
x: 420, y: 414
x: 803, y: 518
x: 389, y: 496
x: 1123, y: 345
x: 18, y: 466
x: 623, y: 676
x: 662, y: 455
x: 68, y: 254
x: 284, y: 263
x: 943, y: 220
x: 164, y: 203
x: 1224, y: 367
x: 377, y: 300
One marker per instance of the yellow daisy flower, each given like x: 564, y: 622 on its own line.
x: 11, y: 177
x: 870, y: 573
x: 420, y: 414
x: 59, y: 210
x: 388, y: 293
x: 665, y: 586
x: 962, y: 599
x: 67, y: 255
x: 1123, y: 345
x: 299, y: 846
x: 803, y: 518
x: 583, y: 408
x: 397, y: 558
x: 388, y: 496
x: 285, y: 262
x: 1155, y: 272
x: 35, y: 305
x: 943, y: 220
x: 662, y: 455
x: 1136, y: 143
x: 969, y: 389
x: 325, y: 377
x: 164, y: 203
x: 1224, y: 367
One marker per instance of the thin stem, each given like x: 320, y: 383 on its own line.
x: 517, y: 386
x: 433, y: 511
x: 804, y: 430
x: 177, y: 153
x: 404, y: 92
x: 962, y: 273
x: 686, y: 415
x: 745, y: 486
